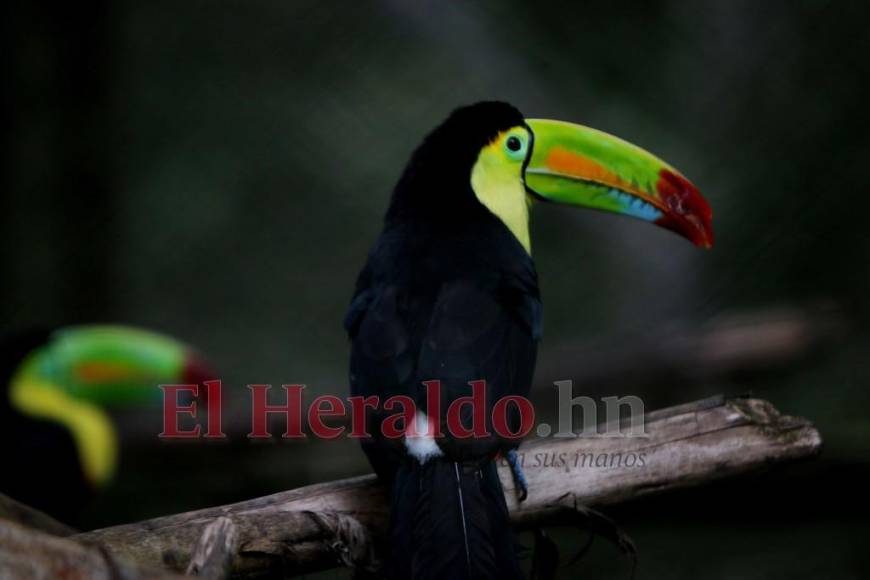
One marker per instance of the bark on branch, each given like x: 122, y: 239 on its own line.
x: 213, y: 555
x: 35, y: 555
x: 16, y: 511
x: 337, y: 523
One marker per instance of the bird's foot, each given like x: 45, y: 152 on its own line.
x: 598, y: 524
x: 522, y: 485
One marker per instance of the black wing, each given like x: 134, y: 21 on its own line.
x: 479, y: 327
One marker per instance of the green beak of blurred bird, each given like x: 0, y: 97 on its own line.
x: 59, y: 443
x: 449, y: 293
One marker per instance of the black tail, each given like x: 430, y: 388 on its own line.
x: 450, y: 520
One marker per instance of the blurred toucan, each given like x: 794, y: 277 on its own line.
x: 449, y: 293
x: 58, y: 443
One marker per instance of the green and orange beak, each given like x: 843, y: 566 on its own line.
x: 122, y: 365
x: 577, y: 165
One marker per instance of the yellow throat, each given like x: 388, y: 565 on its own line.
x: 497, y: 181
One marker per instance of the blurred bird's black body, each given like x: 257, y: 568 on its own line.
x: 41, y: 465
x: 448, y: 293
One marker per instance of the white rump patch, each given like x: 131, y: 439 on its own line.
x: 419, y: 443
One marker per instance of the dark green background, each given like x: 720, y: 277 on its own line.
x: 217, y: 170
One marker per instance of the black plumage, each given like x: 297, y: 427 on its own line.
x: 41, y: 466
x: 448, y: 293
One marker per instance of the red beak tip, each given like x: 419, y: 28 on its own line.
x: 197, y: 370
x: 691, y: 215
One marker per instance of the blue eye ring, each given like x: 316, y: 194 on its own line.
x: 515, y: 147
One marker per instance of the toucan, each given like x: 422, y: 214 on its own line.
x: 449, y: 296
x: 58, y: 442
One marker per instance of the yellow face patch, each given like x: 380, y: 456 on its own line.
x: 497, y: 181
x: 91, y: 429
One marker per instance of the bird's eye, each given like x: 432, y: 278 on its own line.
x: 515, y: 147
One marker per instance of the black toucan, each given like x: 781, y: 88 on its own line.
x: 449, y: 293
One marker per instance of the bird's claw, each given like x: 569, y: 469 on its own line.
x: 596, y: 523
x: 522, y: 485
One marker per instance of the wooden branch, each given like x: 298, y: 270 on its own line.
x: 213, y: 555
x: 337, y: 523
x: 28, y: 553
x: 16, y: 511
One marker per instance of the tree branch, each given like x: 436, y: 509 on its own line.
x: 16, y: 511
x: 28, y: 553
x: 213, y: 555
x: 337, y: 523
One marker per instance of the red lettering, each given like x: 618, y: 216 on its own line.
x: 171, y: 411
x: 213, y: 393
x: 477, y: 400
x: 260, y: 410
x: 390, y: 428
x: 358, y: 424
x: 433, y: 408
x: 316, y: 412
x: 500, y: 420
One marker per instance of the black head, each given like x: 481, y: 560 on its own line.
x: 436, y: 180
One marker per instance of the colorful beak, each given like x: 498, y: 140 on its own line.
x: 576, y: 165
